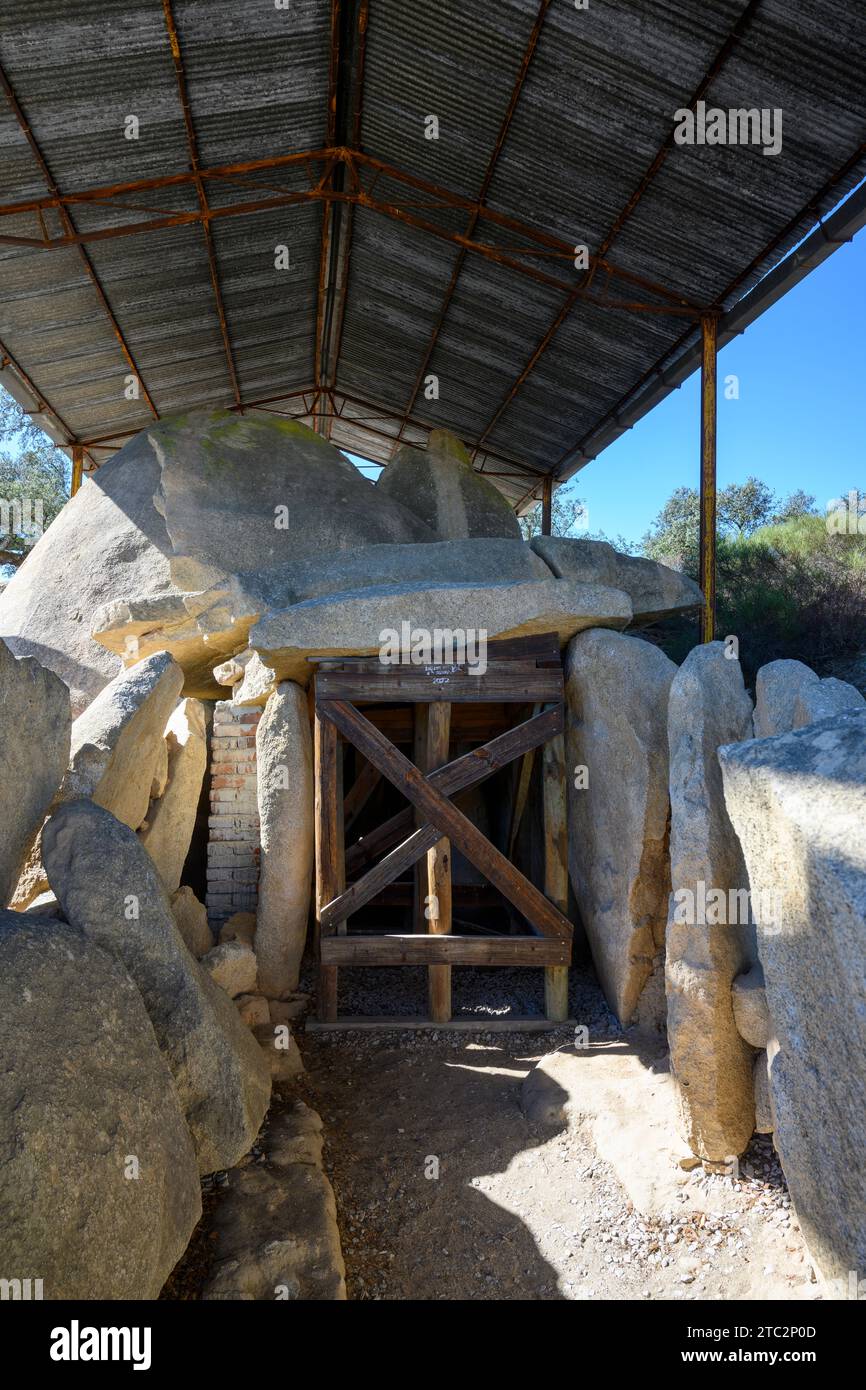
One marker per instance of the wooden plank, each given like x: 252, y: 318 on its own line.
x: 521, y: 794
x: 555, y: 864
x: 477, y: 1024
x: 468, y: 721
x: 364, y: 890
x: 413, y: 949
x: 330, y: 875
x: 447, y: 819
x: 438, y: 900
x: 419, y: 757
x: 523, y: 683
x: 463, y: 895
x: 359, y: 793
x: 464, y: 772
x: 538, y: 646
x: 417, y: 843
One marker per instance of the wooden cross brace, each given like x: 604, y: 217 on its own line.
x: 430, y: 794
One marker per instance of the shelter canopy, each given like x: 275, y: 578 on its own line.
x: 240, y: 205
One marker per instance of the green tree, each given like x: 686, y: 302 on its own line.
x: 796, y: 504
x: 673, y: 536
x: 34, y: 482
x: 743, y: 507
x: 568, y: 512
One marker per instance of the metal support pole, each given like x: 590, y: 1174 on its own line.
x: 546, y: 506
x: 708, y: 478
x: 77, y: 467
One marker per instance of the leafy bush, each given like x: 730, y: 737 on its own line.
x: 789, y: 589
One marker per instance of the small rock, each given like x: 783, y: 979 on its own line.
x: 232, y: 965
x: 253, y: 1009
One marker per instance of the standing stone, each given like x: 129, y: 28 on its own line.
x: 798, y: 805
x: 284, y: 759
x: 108, y: 886
x: 710, y: 1060
x: 764, y: 1123
x: 616, y: 725
x: 191, y: 920
x: 117, y: 741
x: 789, y: 695
x: 34, y: 751
x: 170, y: 822
x: 99, y: 1189
x: 442, y: 488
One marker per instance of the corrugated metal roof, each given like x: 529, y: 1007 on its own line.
x: 556, y: 115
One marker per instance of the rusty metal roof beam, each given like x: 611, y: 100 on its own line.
x: 734, y: 37
x: 354, y: 87
x: 71, y: 231
x: 192, y: 146
x: 345, y: 103
x: 528, y: 54
x: 540, y: 242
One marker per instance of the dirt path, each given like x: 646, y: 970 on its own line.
x: 444, y: 1191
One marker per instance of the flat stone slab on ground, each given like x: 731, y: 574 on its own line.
x: 276, y: 1229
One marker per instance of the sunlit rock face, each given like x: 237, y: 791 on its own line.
x: 184, y: 504
x: 440, y: 486
x: 798, y: 804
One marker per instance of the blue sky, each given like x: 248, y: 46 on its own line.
x: 799, y: 422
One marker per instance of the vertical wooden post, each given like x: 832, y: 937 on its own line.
x: 77, y: 468
x: 439, y: 869
x: 419, y: 757
x: 546, y: 506
x: 555, y: 866
x: 330, y: 866
x: 709, y: 334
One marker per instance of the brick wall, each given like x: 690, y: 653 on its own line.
x: 233, y: 840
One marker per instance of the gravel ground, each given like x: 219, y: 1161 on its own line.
x: 444, y: 1191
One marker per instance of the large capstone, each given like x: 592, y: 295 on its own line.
x: 709, y: 936
x: 616, y: 729
x: 99, y: 1189
x: 203, y: 630
x: 445, y: 492
x: 34, y: 751
x: 184, y: 504
x: 364, y: 622
x: 108, y: 886
x: 265, y: 489
x: 655, y: 590
x: 798, y: 805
